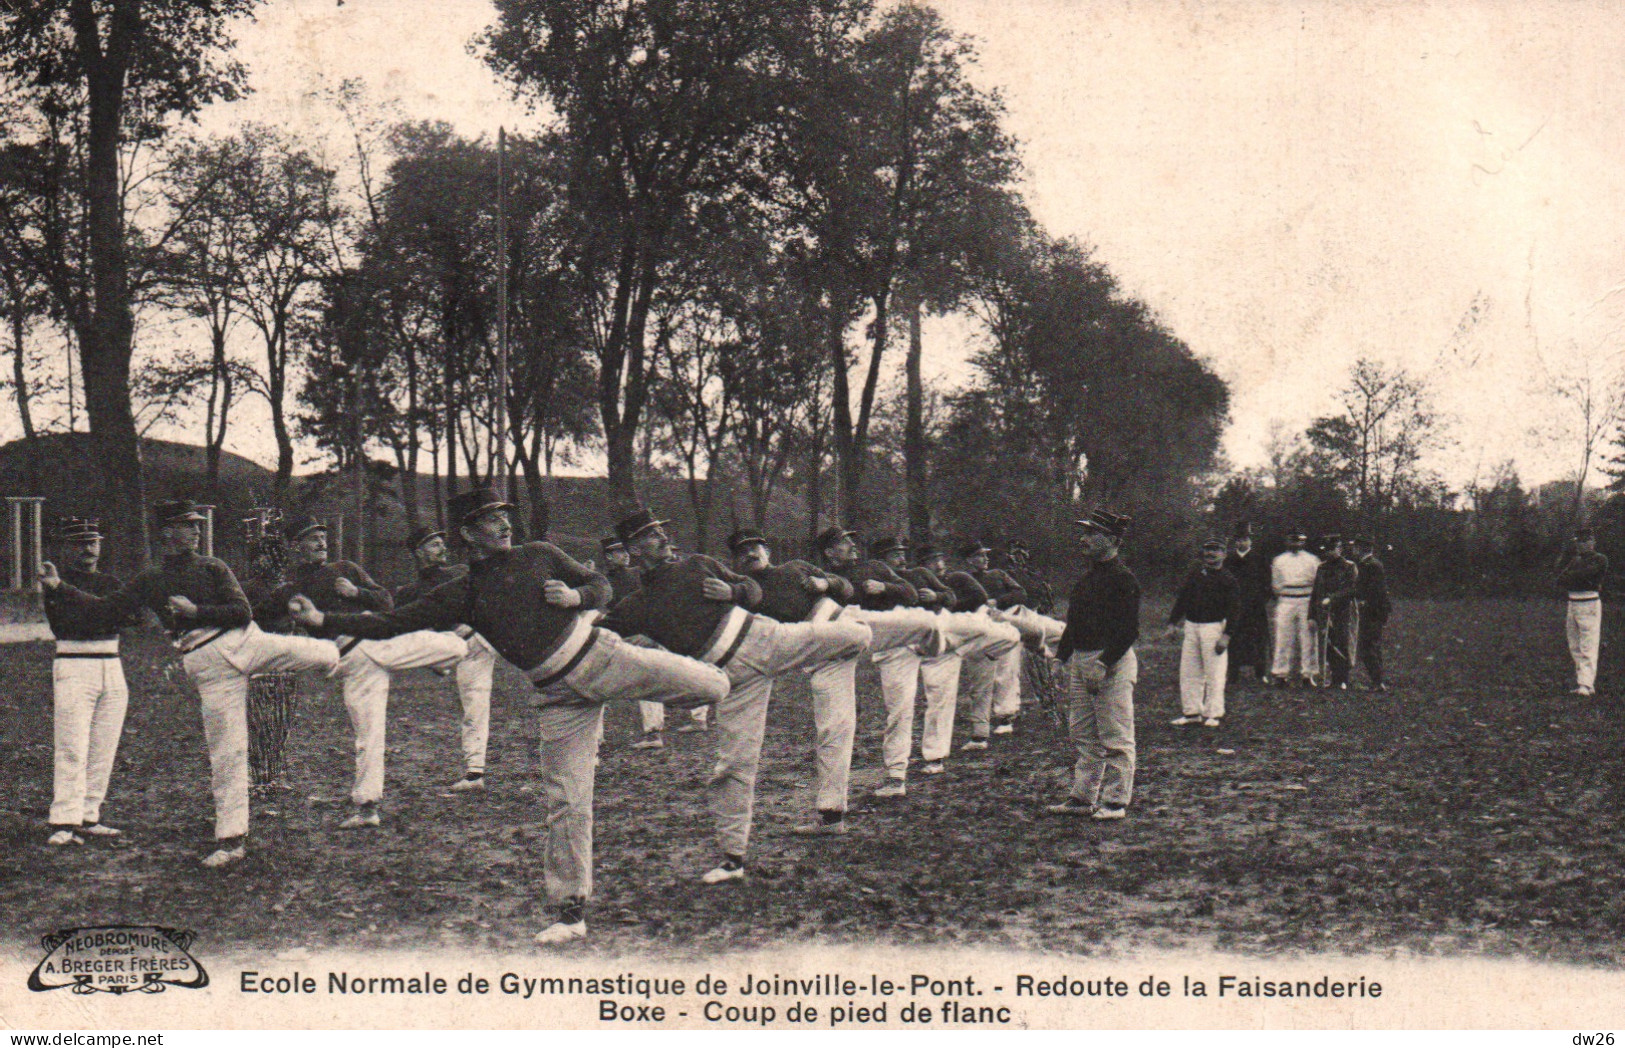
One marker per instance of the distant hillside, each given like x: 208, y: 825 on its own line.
x: 580, y: 506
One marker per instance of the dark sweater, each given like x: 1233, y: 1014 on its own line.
x: 968, y: 593
x: 671, y: 607
x: 319, y: 582
x: 1103, y: 614
x: 1371, y: 590
x: 428, y: 578
x: 502, y: 597
x: 942, y: 595
x: 624, y: 581
x: 898, y: 591
x: 1002, y: 590
x: 205, y: 581
x: 1206, y: 596
x: 1585, y: 573
x: 1335, y: 581
x: 73, y: 621
x: 785, y: 593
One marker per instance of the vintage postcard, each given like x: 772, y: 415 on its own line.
x: 812, y: 514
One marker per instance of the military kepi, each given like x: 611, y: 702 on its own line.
x: 467, y: 507
x: 1106, y: 523
x: 301, y: 526
x: 744, y: 537
x: 423, y: 534
x: 881, y: 547
x: 831, y: 535
x: 176, y: 511
x: 636, y: 523
x: 78, y: 529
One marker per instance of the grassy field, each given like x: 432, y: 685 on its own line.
x: 1476, y: 809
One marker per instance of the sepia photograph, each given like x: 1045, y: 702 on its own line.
x: 812, y: 514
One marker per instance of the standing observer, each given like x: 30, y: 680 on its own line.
x: 1583, y: 578
x: 1292, y: 580
x: 1102, y: 624
x: 1203, y: 614
x: 1371, y: 594
x: 1249, y: 634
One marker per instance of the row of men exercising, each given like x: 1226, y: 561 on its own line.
x: 528, y: 604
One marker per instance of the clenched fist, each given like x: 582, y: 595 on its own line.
x: 304, y: 612
x: 48, y: 576
x: 716, y: 589
x: 814, y: 584
x: 560, y: 595
x: 346, y: 588
x: 873, y: 587
x: 181, y: 607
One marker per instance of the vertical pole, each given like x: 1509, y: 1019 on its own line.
x: 39, y: 546
x: 500, y: 437
x: 14, y: 510
x: 208, y: 530
x: 337, y: 528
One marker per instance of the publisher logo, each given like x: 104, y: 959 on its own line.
x: 118, y: 958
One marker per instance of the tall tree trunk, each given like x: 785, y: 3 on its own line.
x: 846, y: 452
x: 105, y: 342
x: 19, y: 378
x: 914, y: 449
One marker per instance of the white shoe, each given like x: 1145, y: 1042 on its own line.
x: 820, y: 829
x: 651, y: 741
x: 932, y: 768
x: 1109, y: 813
x: 1582, y: 691
x: 98, y: 830
x: 1005, y: 729
x: 892, y: 788
x: 225, y: 857
x: 693, y: 726
x: 361, y: 819
x: 972, y: 745
x: 1180, y: 722
x: 723, y: 874
x: 558, y: 933
x: 468, y: 785
x: 64, y: 837
x: 1211, y: 722
x: 1069, y: 806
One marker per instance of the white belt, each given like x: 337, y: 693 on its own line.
x: 727, y: 636
x: 1588, y: 595
x: 825, y: 610
x: 192, y: 640
x: 579, y: 637
x: 108, y: 647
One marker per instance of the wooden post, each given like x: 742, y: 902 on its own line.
x: 34, y: 583
x: 208, y: 530
x: 14, y: 511
x: 336, y: 526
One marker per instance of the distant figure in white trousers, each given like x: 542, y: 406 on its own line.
x: 1583, y: 577
x: 1292, y: 580
x: 1208, y: 602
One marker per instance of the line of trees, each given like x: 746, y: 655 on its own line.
x: 721, y: 251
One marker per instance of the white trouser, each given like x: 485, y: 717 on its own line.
x: 474, y: 673
x: 1041, y: 631
x: 364, y: 676
x: 899, y: 686
x: 768, y: 650
x: 220, y: 671
x: 1584, y: 628
x: 940, y: 677
x: 88, y: 697
x: 1294, y: 633
x: 994, y: 689
x: 1100, y: 720
x: 835, y: 720
x: 653, y: 715
x: 1202, y: 670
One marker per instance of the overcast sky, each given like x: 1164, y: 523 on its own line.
x: 1290, y: 186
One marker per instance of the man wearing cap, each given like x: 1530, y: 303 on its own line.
x: 365, y: 666
x: 797, y: 591
x: 1249, y: 634
x: 474, y: 670
x: 1292, y: 581
x: 624, y: 580
x: 1102, y: 624
x: 1371, y: 596
x: 1582, y: 578
x: 198, y: 600
x: 89, y: 695
x: 1203, y: 612
x: 1332, y: 605
x: 939, y: 675
x: 995, y: 688
x: 695, y: 606
x: 530, y: 603
x: 1040, y: 595
x: 900, y: 666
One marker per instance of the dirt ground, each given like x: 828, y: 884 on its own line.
x: 1476, y: 809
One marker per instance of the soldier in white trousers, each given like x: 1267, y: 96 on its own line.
x: 1203, y: 612
x: 1583, y: 577
x: 365, y: 666
x: 89, y: 695
x: 474, y: 671
x: 201, y: 605
x: 1292, y: 581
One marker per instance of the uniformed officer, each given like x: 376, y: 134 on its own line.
x: 1371, y: 593
x: 1334, y: 610
x: 89, y: 695
x: 1102, y: 623
x: 474, y: 671
x: 1203, y: 613
x: 1250, y: 633
x: 365, y: 666
x: 200, y: 603
x: 1292, y: 581
x: 530, y: 603
x: 1582, y: 578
